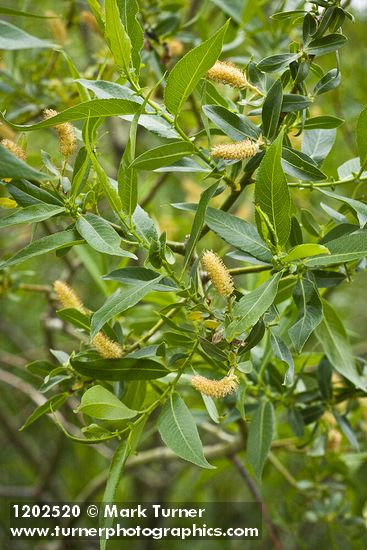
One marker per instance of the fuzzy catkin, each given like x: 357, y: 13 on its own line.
x: 67, y: 135
x: 215, y: 388
x: 68, y: 297
x: 227, y: 73
x: 106, y: 347
x: 57, y: 28
x: 235, y: 151
x: 218, y: 273
x: 13, y: 148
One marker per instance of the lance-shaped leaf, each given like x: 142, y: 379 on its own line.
x: 282, y: 352
x: 100, y: 403
x: 271, y: 110
x: 95, y: 108
x: 317, y: 144
x: 277, y: 62
x: 305, y: 251
x: 90, y: 364
x: 12, y: 167
x: 186, y: 74
x: 164, y: 155
x: 31, y: 214
x: 308, y: 302
x: 236, y: 126
x: 260, y: 436
x: 198, y: 222
x: 119, y: 302
x: 301, y: 166
x: 57, y: 241
x: 359, y: 207
x: 116, y: 36
x: 179, y: 432
x: 127, y: 176
x: 99, y: 234
x: 334, y: 341
x: 12, y: 38
x: 343, y: 249
x: 326, y: 44
x: 129, y: 10
x: 252, y: 306
x: 272, y: 193
x: 49, y: 406
x: 239, y: 233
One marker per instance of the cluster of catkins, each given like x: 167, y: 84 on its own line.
x: 228, y: 73
x: 222, y: 281
x: 69, y: 299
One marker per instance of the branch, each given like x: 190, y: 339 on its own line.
x: 256, y: 494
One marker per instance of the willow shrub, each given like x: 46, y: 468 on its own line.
x: 234, y: 319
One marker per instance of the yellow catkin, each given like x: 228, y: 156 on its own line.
x: 217, y: 273
x: 334, y: 440
x: 227, y: 73
x: 67, y: 135
x: 235, y: 151
x: 175, y: 48
x: 13, y: 148
x: 90, y: 21
x: 68, y: 297
x: 215, y: 388
x: 57, y: 28
x: 106, y: 347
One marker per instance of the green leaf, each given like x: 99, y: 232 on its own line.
x: 47, y: 407
x: 329, y: 81
x: 129, y: 10
x: 236, y: 126
x: 334, y: 341
x: 145, y: 226
x: 347, y: 248
x: 300, y: 166
x: 12, y: 167
x: 317, y: 144
x: 95, y: 108
x: 198, y: 222
x: 75, y: 317
x: 308, y: 302
x: 277, y: 62
x: 127, y: 176
x: 31, y: 214
x: 57, y: 241
x: 130, y: 275
x: 295, y: 102
x: 281, y: 351
x: 359, y: 207
x: 116, y: 36
x: 239, y: 233
x: 12, y: 38
x: 164, y: 155
x: 99, y: 234
x: 362, y: 136
x: 252, y: 306
x: 272, y: 193
x: 27, y: 194
x: 326, y: 44
x: 103, y: 405
x: 186, y: 74
x: 90, y: 364
x: 271, y: 110
x: 305, y: 251
x: 323, y: 123
x: 119, y: 302
x: 179, y: 432
x: 261, y: 433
